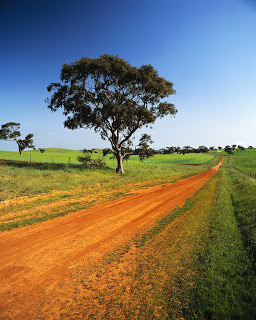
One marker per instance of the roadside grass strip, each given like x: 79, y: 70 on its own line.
x: 243, y: 192
x: 226, y: 288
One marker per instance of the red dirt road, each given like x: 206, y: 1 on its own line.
x: 34, y: 260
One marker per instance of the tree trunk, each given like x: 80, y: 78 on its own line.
x: 119, y: 158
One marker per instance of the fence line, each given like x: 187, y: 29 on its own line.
x: 68, y: 160
x: 52, y: 160
x: 248, y: 174
x: 30, y: 159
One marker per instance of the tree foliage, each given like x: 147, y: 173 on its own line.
x: 10, y: 132
x: 228, y: 149
x: 87, y: 160
x: 112, y: 97
x: 241, y: 148
x: 143, y: 149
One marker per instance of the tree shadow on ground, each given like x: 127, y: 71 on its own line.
x: 51, y: 166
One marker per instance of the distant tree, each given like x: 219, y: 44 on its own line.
x: 183, y: 151
x: 143, y: 149
x: 172, y: 149
x: 87, y: 160
x: 106, y: 152
x: 42, y: 150
x: 219, y: 148
x: 250, y: 147
x: 169, y: 150
x: 187, y: 149
x: 228, y: 150
x: 233, y: 146
x: 241, y: 148
x: 112, y: 97
x: 177, y: 150
x: 10, y: 132
x: 212, y: 148
x: 203, y: 149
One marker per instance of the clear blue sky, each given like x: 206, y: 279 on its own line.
x: 206, y: 48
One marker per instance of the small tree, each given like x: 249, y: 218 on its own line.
x: 187, y: 149
x: 183, y: 151
x: 106, y: 152
x: 112, y: 97
x: 233, y: 146
x: 87, y: 160
x: 177, y: 149
x: 203, y: 149
x: 143, y: 150
x: 10, y: 132
x: 241, y: 148
x: 228, y: 149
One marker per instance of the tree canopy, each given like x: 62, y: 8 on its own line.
x: 143, y: 149
x: 228, y: 149
x: 112, y: 97
x: 10, y: 132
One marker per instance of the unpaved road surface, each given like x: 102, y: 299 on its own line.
x: 35, y: 260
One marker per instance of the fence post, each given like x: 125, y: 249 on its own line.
x: 30, y: 159
x: 68, y: 160
x: 52, y: 159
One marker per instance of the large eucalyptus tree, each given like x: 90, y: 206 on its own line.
x: 112, y: 97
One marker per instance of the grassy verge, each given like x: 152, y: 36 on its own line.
x: 226, y: 286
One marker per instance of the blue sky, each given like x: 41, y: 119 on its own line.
x: 206, y: 48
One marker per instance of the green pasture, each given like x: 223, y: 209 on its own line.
x: 51, y: 155
x: 244, y: 161
x: 59, y: 155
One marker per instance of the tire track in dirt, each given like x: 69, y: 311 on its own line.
x: 35, y: 259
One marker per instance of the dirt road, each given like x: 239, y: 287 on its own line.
x: 36, y: 259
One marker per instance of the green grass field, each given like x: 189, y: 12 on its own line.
x: 58, y: 155
x: 244, y: 160
x: 51, y: 155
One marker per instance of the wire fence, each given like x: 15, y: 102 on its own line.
x: 247, y: 173
x: 111, y: 162
x: 30, y: 159
x: 251, y: 174
x: 73, y: 160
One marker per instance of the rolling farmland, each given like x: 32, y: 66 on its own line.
x: 181, y: 246
x: 66, y: 156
